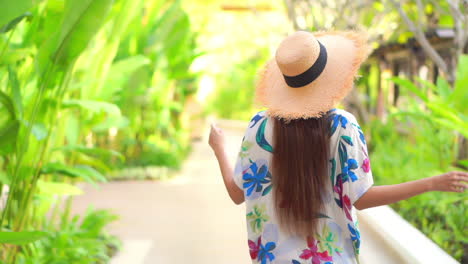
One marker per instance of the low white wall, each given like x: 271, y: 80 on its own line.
x: 401, y: 238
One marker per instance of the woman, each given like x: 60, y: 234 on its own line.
x: 304, y: 166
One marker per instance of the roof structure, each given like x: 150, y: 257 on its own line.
x: 440, y: 37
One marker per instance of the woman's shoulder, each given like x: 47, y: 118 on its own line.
x: 343, y: 122
x: 259, y: 116
x: 343, y: 113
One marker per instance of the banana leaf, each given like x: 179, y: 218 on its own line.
x: 57, y: 188
x: 93, y: 106
x: 407, y: 84
x: 104, y: 154
x: 79, y: 171
x: 12, y: 24
x: 12, y: 11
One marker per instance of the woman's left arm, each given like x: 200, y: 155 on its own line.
x: 217, y: 143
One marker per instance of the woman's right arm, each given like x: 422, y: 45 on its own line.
x: 388, y: 194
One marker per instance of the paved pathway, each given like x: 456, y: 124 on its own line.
x: 189, y: 219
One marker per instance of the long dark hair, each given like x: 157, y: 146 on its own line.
x: 300, y: 172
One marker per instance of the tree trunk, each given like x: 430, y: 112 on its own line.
x: 380, y: 108
x: 290, y: 6
x: 396, y: 87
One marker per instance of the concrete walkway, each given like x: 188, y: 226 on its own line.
x: 189, y: 219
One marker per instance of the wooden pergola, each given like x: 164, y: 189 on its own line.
x: 409, y: 60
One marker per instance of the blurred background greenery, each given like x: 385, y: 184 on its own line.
x: 99, y: 90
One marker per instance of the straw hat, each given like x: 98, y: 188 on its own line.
x: 311, y: 73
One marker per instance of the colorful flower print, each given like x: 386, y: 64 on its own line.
x: 313, y: 254
x: 262, y: 252
x: 347, y: 171
x: 350, y: 177
x: 355, y: 238
x: 260, y: 137
x: 327, y: 241
x: 333, y: 171
x: 361, y: 135
x: 347, y: 164
x: 256, y: 118
x: 254, y: 248
x: 257, y: 217
x: 348, y: 140
x: 338, y: 119
x: 297, y: 262
x: 365, y: 163
x: 256, y: 179
x: 246, y: 145
x: 343, y: 201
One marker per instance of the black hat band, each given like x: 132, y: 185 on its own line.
x: 312, y: 73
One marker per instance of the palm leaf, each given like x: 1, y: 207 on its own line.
x: 407, y: 84
x: 260, y: 137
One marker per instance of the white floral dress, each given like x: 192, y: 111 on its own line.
x: 350, y: 177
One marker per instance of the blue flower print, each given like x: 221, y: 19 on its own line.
x: 264, y: 253
x: 336, y: 120
x: 256, y: 179
x: 361, y: 135
x: 256, y: 118
x: 297, y: 262
x: 347, y: 164
x: 355, y: 238
x: 348, y: 170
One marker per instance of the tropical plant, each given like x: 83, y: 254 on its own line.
x: 33, y: 100
x: 67, y: 68
x: 442, y: 105
x: 421, y: 141
x: 74, y: 240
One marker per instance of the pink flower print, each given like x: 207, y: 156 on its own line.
x: 254, y: 248
x: 262, y: 252
x: 313, y: 254
x: 347, y: 207
x: 366, y: 165
x: 343, y: 202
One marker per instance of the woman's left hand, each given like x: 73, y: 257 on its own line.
x: 217, y: 139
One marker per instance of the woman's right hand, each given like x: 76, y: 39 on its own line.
x: 454, y: 181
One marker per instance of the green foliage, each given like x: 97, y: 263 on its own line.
x: 77, y: 79
x: 57, y: 188
x: 12, y: 10
x: 143, y: 173
x: 423, y: 150
x: 422, y: 141
x: 80, y: 171
x: 28, y: 131
x: 20, y: 238
x: 445, y: 107
x: 75, y: 241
